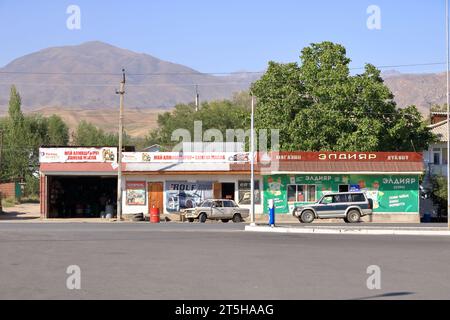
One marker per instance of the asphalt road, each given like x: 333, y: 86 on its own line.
x: 214, y: 261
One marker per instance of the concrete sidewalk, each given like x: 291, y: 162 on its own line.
x: 354, y: 230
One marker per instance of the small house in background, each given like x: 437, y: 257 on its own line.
x: 436, y: 158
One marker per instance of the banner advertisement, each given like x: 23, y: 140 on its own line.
x: 390, y: 193
x: 187, y: 157
x: 136, y: 193
x: 185, y: 195
x: 71, y: 155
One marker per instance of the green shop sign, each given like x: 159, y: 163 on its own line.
x: 390, y: 193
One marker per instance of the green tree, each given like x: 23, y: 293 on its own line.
x: 319, y: 105
x: 16, y: 150
x: 58, y: 131
x: 220, y: 115
x: 86, y: 134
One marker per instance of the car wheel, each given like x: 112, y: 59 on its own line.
x: 237, y: 218
x: 353, y: 216
x: 202, y: 218
x: 225, y: 220
x: 190, y: 220
x: 307, y: 216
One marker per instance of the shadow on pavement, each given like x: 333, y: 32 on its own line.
x: 387, y: 295
x: 17, y: 216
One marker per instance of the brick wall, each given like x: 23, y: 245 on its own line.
x: 8, y: 190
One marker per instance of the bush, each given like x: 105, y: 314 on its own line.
x: 31, y: 189
x: 439, y: 194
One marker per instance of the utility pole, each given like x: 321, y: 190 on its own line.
x: 1, y: 149
x: 447, y: 35
x: 252, y: 163
x: 119, y: 153
x: 197, y: 99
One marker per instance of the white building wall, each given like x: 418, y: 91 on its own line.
x: 126, y: 209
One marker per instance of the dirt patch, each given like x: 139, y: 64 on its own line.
x: 26, y: 211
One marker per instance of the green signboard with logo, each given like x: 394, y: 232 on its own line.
x: 390, y: 193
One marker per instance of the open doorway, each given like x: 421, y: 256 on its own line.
x: 80, y: 196
x: 228, y: 190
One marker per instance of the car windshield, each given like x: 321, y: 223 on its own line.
x: 206, y: 204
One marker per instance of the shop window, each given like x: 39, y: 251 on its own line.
x: 245, y: 192
x: 301, y: 193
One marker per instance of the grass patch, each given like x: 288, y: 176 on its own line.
x: 30, y: 199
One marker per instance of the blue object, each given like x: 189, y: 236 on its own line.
x: 271, y: 213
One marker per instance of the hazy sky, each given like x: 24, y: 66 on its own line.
x: 231, y: 35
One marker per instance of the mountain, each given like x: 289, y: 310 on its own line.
x: 80, y: 82
x: 422, y: 90
x: 42, y: 79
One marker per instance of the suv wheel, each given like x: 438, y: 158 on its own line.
x: 307, y: 216
x: 202, y: 218
x: 353, y: 216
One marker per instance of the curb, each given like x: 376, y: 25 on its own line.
x: 323, y: 230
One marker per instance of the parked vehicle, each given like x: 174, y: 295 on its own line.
x: 350, y: 206
x: 224, y: 210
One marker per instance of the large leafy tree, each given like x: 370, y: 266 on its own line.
x: 219, y: 115
x: 86, y: 134
x: 319, y: 105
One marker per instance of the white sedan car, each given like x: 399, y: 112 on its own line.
x: 221, y: 209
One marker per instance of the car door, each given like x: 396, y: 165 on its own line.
x: 325, y: 207
x: 218, y: 210
x: 342, y: 202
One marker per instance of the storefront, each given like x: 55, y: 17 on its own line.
x: 173, y: 181
x: 77, y: 182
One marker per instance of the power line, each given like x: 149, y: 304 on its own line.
x: 194, y: 73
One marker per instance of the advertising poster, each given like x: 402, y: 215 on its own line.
x: 72, y: 155
x: 185, y: 195
x: 136, y: 193
x: 245, y: 193
x: 390, y: 193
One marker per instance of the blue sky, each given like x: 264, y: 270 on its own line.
x: 231, y: 35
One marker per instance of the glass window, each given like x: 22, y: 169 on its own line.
x: 218, y: 204
x: 206, y: 204
x: 229, y: 204
x: 245, y: 192
x: 359, y: 197
x: 301, y: 193
x: 292, y: 191
x: 312, y: 194
x: 327, y: 200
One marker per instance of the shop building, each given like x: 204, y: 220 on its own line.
x: 173, y: 181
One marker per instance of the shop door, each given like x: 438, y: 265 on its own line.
x: 156, y: 196
x: 217, y: 190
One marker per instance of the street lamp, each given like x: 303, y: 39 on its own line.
x: 252, y: 163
